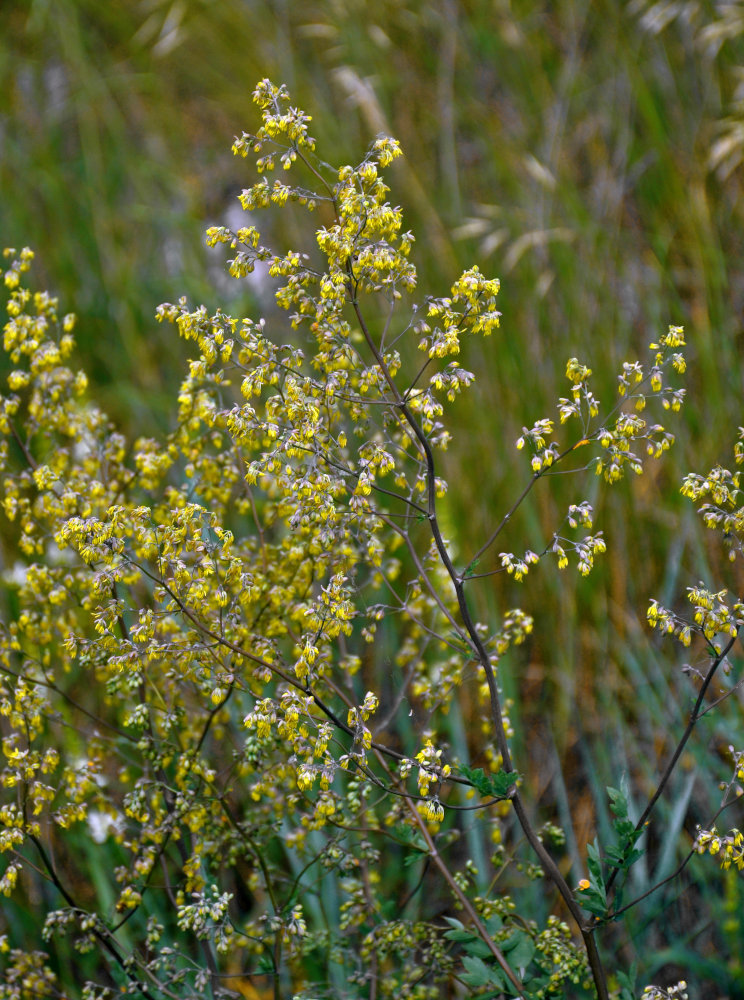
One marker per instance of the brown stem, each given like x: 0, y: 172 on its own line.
x: 695, y: 714
x: 465, y: 902
x: 96, y: 931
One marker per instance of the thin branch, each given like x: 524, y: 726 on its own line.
x: 548, y: 864
x: 70, y: 701
x: 95, y: 930
x: 695, y: 715
x: 466, y: 904
x: 670, y: 878
x: 501, y: 525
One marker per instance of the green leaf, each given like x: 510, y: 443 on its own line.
x: 621, y: 855
x: 618, y: 802
x: 478, y: 973
x: 593, y: 903
x: 520, y: 948
x: 631, y: 858
x: 479, y: 948
x: 594, y: 898
x: 471, y: 942
x: 493, y: 785
x: 594, y: 864
x: 627, y: 983
x: 459, y: 932
x: 411, y: 839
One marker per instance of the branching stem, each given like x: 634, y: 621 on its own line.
x: 548, y: 864
x: 695, y: 715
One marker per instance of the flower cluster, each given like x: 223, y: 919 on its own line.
x: 728, y: 848
x: 184, y: 677
x: 203, y: 590
x: 616, y: 436
x: 723, y: 509
x: 677, y: 992
x: 713, y: 615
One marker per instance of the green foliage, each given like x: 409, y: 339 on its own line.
x: 536, y: 957
x: 594, y: 889
x: 191, y: 683
x: 496, y: 785
x: 587, y: 153
x: 624, y: 853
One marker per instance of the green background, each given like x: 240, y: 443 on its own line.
x: 589, y: 154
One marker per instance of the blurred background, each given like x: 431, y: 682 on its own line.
x: 589, y: 154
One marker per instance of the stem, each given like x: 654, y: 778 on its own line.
x: 548, y: 864
x: 499, y: 528
x: 695, y: 714
x: 103, y: 938
x: 670, y: 878
x: 465, y: 902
